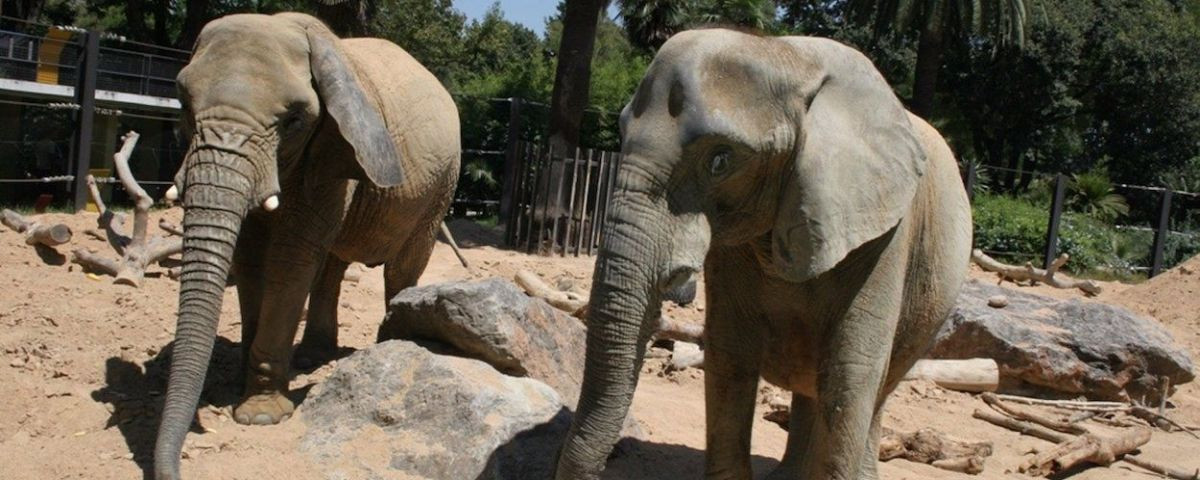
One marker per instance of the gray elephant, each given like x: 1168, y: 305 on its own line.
x: 832, y: 227
x: 307, y: 152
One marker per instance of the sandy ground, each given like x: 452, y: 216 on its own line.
x: 82, y: 365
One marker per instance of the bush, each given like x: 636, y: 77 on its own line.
x: 1017, y: 227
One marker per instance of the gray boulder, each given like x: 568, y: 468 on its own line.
x: 1060, y: 348
x: 396, y: 410
x: 494, y: 321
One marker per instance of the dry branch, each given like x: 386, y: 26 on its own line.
x: 1028, y: 273
x: 1085, y: 405
x: 1086, y: 448
x: 36, y: 233
x: 669, y: 329
x: 136, y: 252
x: 929, y: 446
x: 569, y: 302
x: 1061, y: 425
x: 972, y: 375
x: 1074, y: 450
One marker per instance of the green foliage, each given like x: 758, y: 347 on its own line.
x: 1017, y: 227
x: 649, y: 23
x: 1092, y: 194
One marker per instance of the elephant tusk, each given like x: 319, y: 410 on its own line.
x: 271, y: 203
x: 172, y: 194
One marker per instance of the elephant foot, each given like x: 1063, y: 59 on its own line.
x: 310, y: 355
x: 266, y: 408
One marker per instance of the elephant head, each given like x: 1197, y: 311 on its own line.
x: 795, y: 146
x: 257, y: 90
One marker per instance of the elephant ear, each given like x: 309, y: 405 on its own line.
x: 358, y: 120
x: 856, y: 171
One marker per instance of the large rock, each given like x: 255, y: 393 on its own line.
x: 396, y: 410
x: 494, y: 321
x: 1063, y: 348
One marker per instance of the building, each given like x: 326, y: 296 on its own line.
x: 44, y: 74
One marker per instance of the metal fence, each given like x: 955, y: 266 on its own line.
x: 560, y: 203
x: 1164, y: 204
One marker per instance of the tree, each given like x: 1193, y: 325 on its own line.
x: 649, y: 23
x: 347, y: 18
x: 574, y: 72
x: 938, y: 21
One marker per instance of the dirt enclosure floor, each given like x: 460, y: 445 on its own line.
x: 82, y: 375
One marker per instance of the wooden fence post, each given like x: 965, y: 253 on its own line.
x: 85, y: 96
x: 1160, y: 234
x: 512, y: 159
x: 1056, y: 207
x: 969, y: 180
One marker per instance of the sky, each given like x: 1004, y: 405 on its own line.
x: 531, y: 13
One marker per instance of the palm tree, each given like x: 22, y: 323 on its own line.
x: 1004, y: 21
x: 649, y: 23
x: 347, y: 18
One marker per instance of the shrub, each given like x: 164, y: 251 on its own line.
x: 1017, y: 227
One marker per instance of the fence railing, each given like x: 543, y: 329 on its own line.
x: 1165, y: 202
x: 560, y: 203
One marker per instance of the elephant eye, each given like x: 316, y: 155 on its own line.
x: 719, y: 162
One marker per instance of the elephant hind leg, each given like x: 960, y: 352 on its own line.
x: 319, y: 344
x: 406, y: 268
x: 804, y: 413
x: 870, y: 459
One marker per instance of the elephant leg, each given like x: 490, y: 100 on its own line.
x: 319, y: 343
x: 870, y: 460
x: 731, y: 367
x: 405, y: 269
x: 248, y: 260
x: 850, y: 379
x: 292, y: 264
x: 804, y: 412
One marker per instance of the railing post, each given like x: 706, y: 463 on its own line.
x: 1160, y: 234
x: 1056, y: 207
x: 969, y: 181
x: 85, y: 97
x: 512, y: 158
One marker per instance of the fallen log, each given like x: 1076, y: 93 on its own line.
x: 137, y: 251
x: 973, y: 375
x: 1028, y: 273
x: 36, y: 233
x: 1087, y: 448
x: 934, y: 448
x: 569, y: 302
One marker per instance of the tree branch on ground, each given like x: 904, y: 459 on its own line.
x: 1028, y: 273
x: 36, y: 233
x: 136, y: 251
x: 932, y: 447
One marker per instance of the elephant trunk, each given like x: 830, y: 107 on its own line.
x: 625, y: 308
x: 215, y: 202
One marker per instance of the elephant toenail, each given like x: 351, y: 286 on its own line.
x: 263, y: 419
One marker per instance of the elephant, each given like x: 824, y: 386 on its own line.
x: 307, y: 152
x: 833, y: 231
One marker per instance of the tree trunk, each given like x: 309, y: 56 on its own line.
x: 349, y: 18
x: 929, y: 60
x: 199, y: 12
x: 572, y: 78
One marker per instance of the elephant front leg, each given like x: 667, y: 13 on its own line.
x: 732, y: 356
x: 319, y: 344
x: 849, y: 386
x: 291, y: 265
